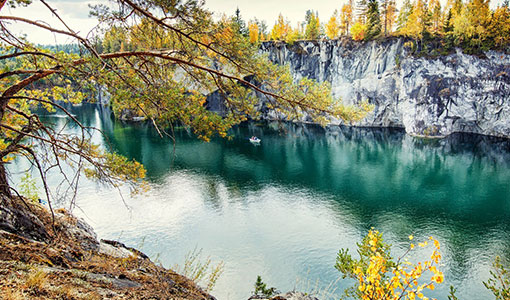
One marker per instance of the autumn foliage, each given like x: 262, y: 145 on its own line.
x: 380, y: 277
x: 470, y: 24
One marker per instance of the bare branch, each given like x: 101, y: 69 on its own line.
x: 18, y: 72
x: 43, y: 26
x: 16, y: 54
x: 54, y: 11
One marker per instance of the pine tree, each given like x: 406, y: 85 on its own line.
x: 373, y: 20
x: 180, y: 54
x: 470, y: 27
x: 499, y: 28
x: 448, y: 22
x: 239, y: 23
x: 313, y: 30
x: 405, y: 12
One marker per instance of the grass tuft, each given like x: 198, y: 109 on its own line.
x: 36, y: 280
x: 200, y: 271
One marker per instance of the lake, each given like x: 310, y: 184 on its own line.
x: 283, y: 209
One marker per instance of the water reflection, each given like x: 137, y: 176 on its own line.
x: 283, y: 209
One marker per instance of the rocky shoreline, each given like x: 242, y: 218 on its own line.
x: 428, y: 96
x: 45, y: 257
x: 58, y: 256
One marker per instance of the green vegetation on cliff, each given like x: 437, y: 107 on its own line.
x: 471, y: 24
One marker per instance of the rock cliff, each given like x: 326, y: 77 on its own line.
x: 429, y: 96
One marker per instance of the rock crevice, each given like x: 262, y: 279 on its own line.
x: 428, y: 96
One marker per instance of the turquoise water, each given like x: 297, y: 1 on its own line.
x: 283, y: 209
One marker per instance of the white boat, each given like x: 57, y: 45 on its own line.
x: 255, y: 140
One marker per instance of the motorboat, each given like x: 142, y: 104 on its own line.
x: 254, y: 140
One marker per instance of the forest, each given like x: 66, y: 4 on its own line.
x: 472, y: 25
x: 159, y: 60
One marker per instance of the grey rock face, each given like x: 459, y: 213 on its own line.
x: 21, y: 222
x: 426, y: 96
x: 120, y: 250
x: 102, y: 96
x: 78, y: 230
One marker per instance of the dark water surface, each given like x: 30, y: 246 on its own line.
x: 283, y: 209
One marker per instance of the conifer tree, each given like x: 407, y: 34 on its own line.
x: 313, y: 30
x: 448, y: 22
x: 373, y: 20
x: 470, y: 28
x: 174, y: 54
x: 405, y: 12
x: 499, y: 28
x: 239, y: 23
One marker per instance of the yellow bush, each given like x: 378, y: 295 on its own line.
x: 380, y: 277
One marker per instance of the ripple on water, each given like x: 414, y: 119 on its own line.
x: 283, y: 209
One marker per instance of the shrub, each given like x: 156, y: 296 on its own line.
x: 499, y: 284
x: 381, y: 277
x: 261, y: 289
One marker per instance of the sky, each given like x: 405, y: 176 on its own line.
x: 269, y: 10
x: 75, y: 14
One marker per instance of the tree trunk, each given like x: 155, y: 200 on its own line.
x: 4, y: 184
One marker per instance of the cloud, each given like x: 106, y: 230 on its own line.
x: 74, y: 9
x: 75, y: 14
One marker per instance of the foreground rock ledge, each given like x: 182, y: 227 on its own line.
x: 62, y: 259
x: 40, y: 259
